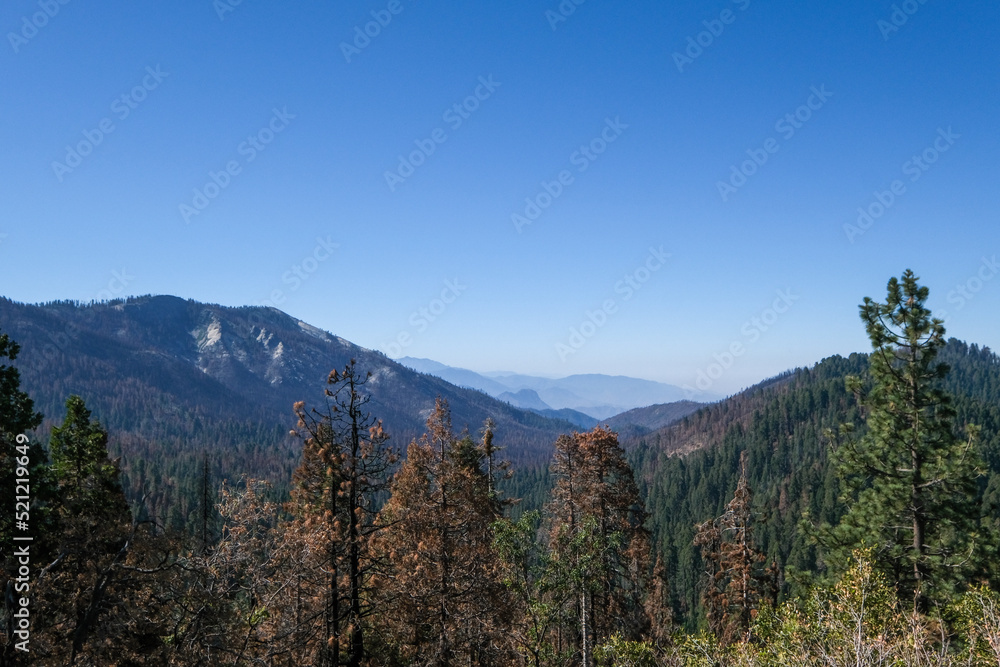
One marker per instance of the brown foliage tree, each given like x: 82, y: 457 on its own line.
x: 598, y: 541
x: 345, y: 466
x: 737, y: 583
x: 444, y: 600
x: 657, y: 605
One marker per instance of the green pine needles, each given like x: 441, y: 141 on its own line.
x: 910, y: 480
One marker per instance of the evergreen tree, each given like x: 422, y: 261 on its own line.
x: 345, y: 467
x: 82, y: 590
x: 444, y: 602
x: 598, y: 541
x: 17, y: 411
x: 910, y: 481
x: 737, y: 583
x: 17, y: 418
x: 79, y: 450
x: 528, y: 573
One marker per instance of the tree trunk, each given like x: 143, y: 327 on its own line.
x: 330, y: 651
x: 354, y: 540
x: 915, y: 491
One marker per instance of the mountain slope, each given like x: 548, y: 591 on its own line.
x: 640, y: 421
x: 689, y: 470
x: 170, y: 378
x: 525, y: 398
x: 577, y: 419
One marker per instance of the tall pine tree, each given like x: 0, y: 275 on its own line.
x: 910, y: 480
x: 17, y: 418
x: 82, y: 590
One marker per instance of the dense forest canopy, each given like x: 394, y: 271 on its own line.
x: 846, y: 513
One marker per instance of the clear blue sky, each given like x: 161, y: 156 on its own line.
x: 309, y: 128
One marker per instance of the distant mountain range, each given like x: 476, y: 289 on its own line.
x: 180, y: 382
x: 598, y: 396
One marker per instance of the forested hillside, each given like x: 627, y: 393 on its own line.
x: 690, y: 470
x: 848, y: 513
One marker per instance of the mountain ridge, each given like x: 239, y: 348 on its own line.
x: 597, y: 395
x: 175, y: 380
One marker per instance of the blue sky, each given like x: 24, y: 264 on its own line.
x: 249, y: 147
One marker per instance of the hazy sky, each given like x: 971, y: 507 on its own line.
x: 629, y: 188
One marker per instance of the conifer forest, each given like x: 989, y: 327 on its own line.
x: 842, y: 514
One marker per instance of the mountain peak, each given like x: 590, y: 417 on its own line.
x: 525, y: 398
x: 155, y: 365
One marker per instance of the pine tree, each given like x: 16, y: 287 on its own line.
x: 737, y: 583
x: 79, y: 450
x: 345, y: 467
x: 598, y: 541
x: 79, y: 590
x: 444, y: 602
x: 527, y: 571
x: 17, y: 412
x: 17, y: 418
x: 910, y: 481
